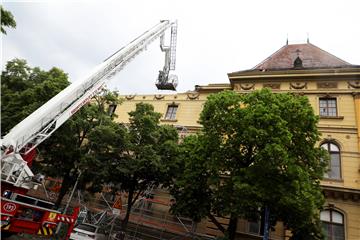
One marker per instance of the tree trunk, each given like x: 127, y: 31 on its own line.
x: 217, y: 224
x: 128, y: 210
x: 65, y: 186
x: 231, y: 231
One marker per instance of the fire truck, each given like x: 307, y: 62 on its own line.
x: 21, y: 213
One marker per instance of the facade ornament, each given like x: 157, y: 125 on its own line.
x: 354, y: 84
x: 327, y: 85
x: 272, y: 85
x: 298, y: 85
x: 129, y: 97
x: 159, y: 96
x: 193, y: 95
x: 247, y: 86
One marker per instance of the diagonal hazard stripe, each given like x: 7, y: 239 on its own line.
x: 47, y: 231
x: 44, y: 229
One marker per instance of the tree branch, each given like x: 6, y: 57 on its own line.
x: 218, y: 225
x: 136, y: 197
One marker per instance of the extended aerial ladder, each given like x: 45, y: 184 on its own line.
x: 21, y: 141
x: 38, y: 126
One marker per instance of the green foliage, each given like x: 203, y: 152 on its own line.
x: 24, y: 89
x: 191, y: 188
x: 255, y: 150
x: 69, y: 151
x: 7, y: 19
x: 66, y: 152
x: 136, y: 156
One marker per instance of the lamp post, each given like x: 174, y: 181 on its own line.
x: 266, y: 223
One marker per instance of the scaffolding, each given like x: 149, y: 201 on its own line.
x: 150, y: 216
x: 149, y: 219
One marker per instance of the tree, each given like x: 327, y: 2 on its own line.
x: 24, y: 89
x: 68, y: 151
x: 138, y: 156
x: 255, y: 151
x: 7, y: 20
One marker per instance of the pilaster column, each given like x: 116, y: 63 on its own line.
x: 357, y: 115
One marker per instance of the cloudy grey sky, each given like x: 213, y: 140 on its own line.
x: 214, y: 37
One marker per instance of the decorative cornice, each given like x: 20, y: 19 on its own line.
x: 288, y: 74
x: 213, y: 87
x: 291, y: 72
x: 356, y: 95
x: 341, y: 193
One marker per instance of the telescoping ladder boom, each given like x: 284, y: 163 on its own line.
x: 38, y: 126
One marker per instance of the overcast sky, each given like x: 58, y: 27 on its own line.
x: 214, y: 37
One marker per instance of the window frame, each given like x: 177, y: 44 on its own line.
x: 331, y: 223
x: 327, y: 99
x: 171, y: 116
x: 112, y: 109
x: 249, y: 224
x: 332, y: 153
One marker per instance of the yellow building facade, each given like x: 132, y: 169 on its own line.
x: 333, y: 88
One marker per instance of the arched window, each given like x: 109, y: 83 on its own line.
x: 333, y: 224
x: 334, y: 171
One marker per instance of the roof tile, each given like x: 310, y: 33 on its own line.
x: 310, y: 55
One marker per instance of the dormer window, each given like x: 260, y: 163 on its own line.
x: 298, y: 63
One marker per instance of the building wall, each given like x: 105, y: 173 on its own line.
x: 187, y: 114
x: 344, y: 129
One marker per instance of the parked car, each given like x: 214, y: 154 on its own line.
x: 86, y: 231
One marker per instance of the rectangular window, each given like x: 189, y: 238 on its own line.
x: 328, y: 107
x: 171, y: 112
x: 112, y: 108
